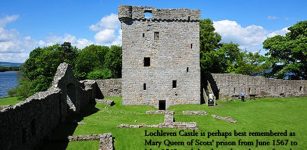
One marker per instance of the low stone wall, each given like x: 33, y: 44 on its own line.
x: 110, y: 87
x: 231, y: 85
x: 169, y: 122
x: 26, y: 124
x: 105, y: 140
x: 194, y: 112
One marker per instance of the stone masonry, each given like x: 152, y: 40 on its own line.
x: 160, y: 56
x: 105, y: 140
x: 169, y: 122
x: 26, y: 124
x: 232, y: 84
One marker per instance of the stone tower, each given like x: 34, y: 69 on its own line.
x: 160, y: 56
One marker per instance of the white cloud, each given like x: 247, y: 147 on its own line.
x: 105, y: 36
x: 283, y: 31
x: 16, y: 48
x: 13, y: 47
x: 108, y: 22
x: 250, y: 37
x: 54, y: 39
x: 107, y: 30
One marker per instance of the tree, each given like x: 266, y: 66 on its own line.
x: 217, y: 57
x: 253, y: 64
x: 209, y: 43
x: 99, y: 74
x: 289, y: 53
x: 89, y: 59
x: 99, y: 62
x: 209, y: 40
x: 113, y: 61
x: 40, y: 67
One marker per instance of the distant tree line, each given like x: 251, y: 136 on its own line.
x: 4, y: 68
x: 286, y: 57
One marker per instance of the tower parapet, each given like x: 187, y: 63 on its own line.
x: 124, y: 13
x: 138, y: 13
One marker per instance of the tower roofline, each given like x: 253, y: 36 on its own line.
x: 126, y: 12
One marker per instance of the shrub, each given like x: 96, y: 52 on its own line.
x: 100, y: 74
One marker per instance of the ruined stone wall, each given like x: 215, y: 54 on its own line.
x: 110, y: 87
x: 231, y: 85
x: 27, y: 123
x: 171, y: 40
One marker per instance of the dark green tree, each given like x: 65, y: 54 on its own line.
x: 289, y: 53
x: 253, y: 64
x: 40, y: 67
x: 209, y: 43
x: 91, y: 58
x: 113, y: 61
x: 217, y: 57
x: 209, y: 40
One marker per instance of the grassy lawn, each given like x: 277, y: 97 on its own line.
x: 276, y: 114
x: 9, y: 101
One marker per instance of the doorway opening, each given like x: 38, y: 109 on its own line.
x: 162, y: 104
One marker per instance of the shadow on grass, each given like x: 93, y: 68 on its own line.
x: 59, y: 137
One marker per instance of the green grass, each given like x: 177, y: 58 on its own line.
x: 277, y: 114
x: 9, y: 101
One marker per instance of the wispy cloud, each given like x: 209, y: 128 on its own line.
x: 8, y: 19
x: 272, y: 17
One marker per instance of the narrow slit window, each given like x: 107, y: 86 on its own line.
x: 301, y: 89
x: 144, y: 86
x: 187, y: 69
x: 143, y: 34
x: 156, y: 35
x: 189, y: 18
x: 146, y: 61
x: 174, y: 83
x: 191, y: 45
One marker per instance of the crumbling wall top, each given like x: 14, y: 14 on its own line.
x: 137, y: 12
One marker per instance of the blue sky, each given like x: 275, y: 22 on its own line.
x: 25, y: 25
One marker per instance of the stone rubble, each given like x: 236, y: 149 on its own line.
x: 105, y: 101
x: 105, y: 140
x: 227, y: 119
x: 190, y: 112
x: 168, y: 122
x: 155, y: 112
x: 4, y: 106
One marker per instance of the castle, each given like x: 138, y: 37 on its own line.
x: 160, y: 68
x: 160, y: 56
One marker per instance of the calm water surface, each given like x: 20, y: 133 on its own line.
x: 8, y: 80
